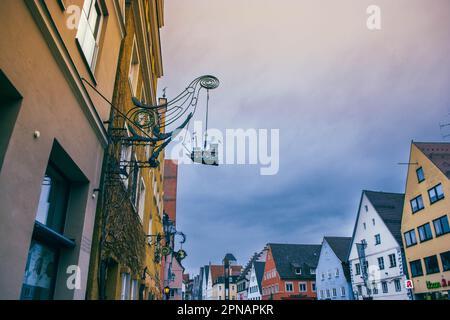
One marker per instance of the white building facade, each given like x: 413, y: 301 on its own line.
x: 375, y: 258
x: 254, y: 291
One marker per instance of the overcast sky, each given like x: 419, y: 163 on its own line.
x: 347, y: 100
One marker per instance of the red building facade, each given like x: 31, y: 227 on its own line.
x: 289, y: 272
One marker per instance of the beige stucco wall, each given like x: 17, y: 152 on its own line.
x: 433, y: 176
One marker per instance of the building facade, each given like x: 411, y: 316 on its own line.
x: 425, y: 223
x: 376, y: 255
x: 125, y: 258
x: 290, y: 272
x: 333, y: 272
x: 46, y: 109
x: 255, y: 280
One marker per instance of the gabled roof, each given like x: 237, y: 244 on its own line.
x: 259, y: 272
x: 288, y: 255
x: 390, y: 208
x: 217, y: 271
x: 340, y: 246
x: 438, y: 153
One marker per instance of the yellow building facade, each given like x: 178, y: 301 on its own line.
x: 126, y: 258
x: 425, y: 226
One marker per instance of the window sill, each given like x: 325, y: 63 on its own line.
x: 431, y: 203
x: 442, y: 234
x: 48, y: 235
x: 428, y: 273
x: 426, y: 240
x: 418, y: 210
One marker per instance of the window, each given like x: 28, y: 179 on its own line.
x: 302, y: 287
x: 359, y: 288
x: 141, y: 199
x: 134, y: 290
x: 133, y: 75
x: 342, y: 291
x: 377, y: 239
x: 312, y: 271
x: 53, y: 200
x: 334, y: 293
x: 431, y: 264
x: 398, y: 285
x: 289, y: 287
x: 313, y: 286
x: 357, y: 268
x: 89, y: 31
x: 42, y: 263
x: 10, y: 104
x: 364, y: 225
x: 384, y: 287
x: 416, y: 268
x: 323, y: 276
x: 125, y: 288
x: 367, y: 208
x: 436, y: 193
x: 373, y: 221
x: 445, y: 259
x: 441, y: 226
x: 321, y: 294
x: 425, y: 232
x: 417, y: 204
x: 298, y: 271
x: 392, y: 261
x: 336, y: 272
x: 328, y: 293
x: 125, y: 159
x: 40, y: 273
x: 381, y: 263
x: 365, y: 267
x: 420, y: 175
x: 375, y: 288
x: 329, y: 275
x: 410, y: 238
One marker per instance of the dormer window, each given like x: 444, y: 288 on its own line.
x: 298, y: 271
x: 312, y: 271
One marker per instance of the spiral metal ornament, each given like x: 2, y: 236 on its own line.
x: 209, y: 82
x: 143, y: 118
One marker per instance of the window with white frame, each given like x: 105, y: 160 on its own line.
x: 302, y: 287
x: 133, y: 75
x: 334, y: 293
x: 289, y: 287
x: 313, y: 286
x: 298, y: 270
x: 89, y: 28
x: 342, y: 291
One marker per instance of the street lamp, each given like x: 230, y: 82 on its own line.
x: 167, y: 292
